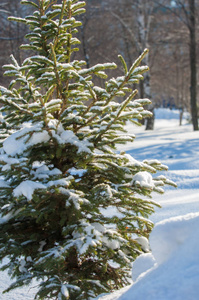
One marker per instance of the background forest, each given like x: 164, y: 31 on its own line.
x: 127, y: 27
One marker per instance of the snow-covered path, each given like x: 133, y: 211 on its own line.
x: 175, y: 255
x: 172, y: 270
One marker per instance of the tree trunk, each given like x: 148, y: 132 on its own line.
x: 150, y: 121
x: 181, y: 116
x: 192, y: 49
x: 147, y: 94
x: 85, y: 50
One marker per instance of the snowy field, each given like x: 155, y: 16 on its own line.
x: 171, y: 270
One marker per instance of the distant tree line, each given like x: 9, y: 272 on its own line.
x: 168, y: 28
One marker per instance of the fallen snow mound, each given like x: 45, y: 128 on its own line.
x: 171, y: 271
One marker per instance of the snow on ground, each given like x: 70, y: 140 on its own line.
x: 171, y: 270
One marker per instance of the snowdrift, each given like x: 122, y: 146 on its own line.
x: 171, y: 271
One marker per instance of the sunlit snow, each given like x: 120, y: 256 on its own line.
x: 27, y: 188
x: 24, y: 138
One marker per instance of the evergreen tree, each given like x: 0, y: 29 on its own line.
x: 71, y: 205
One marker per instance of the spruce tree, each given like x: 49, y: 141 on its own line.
x: 71, y: 204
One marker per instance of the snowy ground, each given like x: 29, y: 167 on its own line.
x: 171, y: 271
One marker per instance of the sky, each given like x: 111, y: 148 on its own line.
x: 171, y: 269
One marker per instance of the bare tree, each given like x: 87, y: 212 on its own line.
x: 192, y: 48
x: 185, y: 11
x: 135, y: 19
x: 11, y: 34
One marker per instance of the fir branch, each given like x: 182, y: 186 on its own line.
x: 60, y: 23
x: 59, y: 84
x: 123, y: 106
